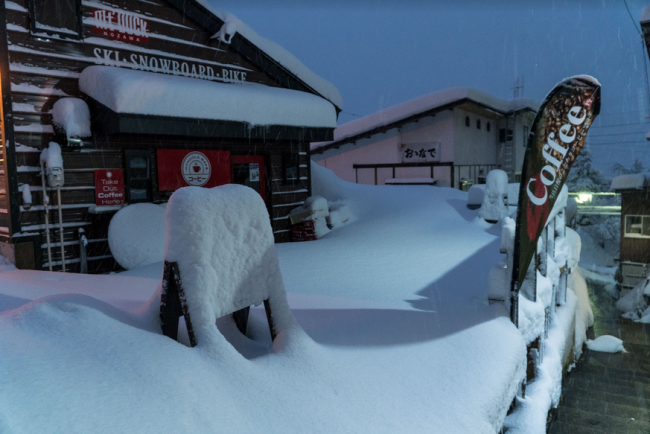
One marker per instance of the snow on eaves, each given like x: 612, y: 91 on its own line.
x: 423, y: 104
x: 129, y: 91
x: 233, y: 24
x: 631, y: 181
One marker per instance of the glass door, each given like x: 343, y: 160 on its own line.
x: 248, y: 170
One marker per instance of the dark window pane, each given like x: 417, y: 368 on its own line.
x: 58, y: 16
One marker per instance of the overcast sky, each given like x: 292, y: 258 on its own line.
x: 381, y: 53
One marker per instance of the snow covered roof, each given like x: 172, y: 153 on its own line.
x: 233, y: 25
x: 418, y: 106
x: 631, y: 181
x: 128, y: 91
x: 645, y: 14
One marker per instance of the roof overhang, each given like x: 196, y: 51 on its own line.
x: 124, y: 101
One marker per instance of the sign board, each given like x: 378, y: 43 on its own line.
x: 420, y: 152
x: 188, y: 167
x: 120, y: 25
x: 109, y: 187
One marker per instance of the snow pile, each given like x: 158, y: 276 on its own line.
x: 233, y: 25
x: 630, y: 181
x: 27, y: 195
x: 72, y: 116
x: 222, y: 240
x: 136, y: 235
x: 130, y: 91
x: 339, y: 214
x: 495, y: 201
x: 475, y: 196
x: 634, y: 303
x: 5, y: 264
x: 606, y: 344
x: 316, y: 209
x: 52, y: 156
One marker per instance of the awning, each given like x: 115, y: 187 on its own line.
x: 126, y: 101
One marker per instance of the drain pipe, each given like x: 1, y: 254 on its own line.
x: 58, y: 196
x: 46, y: 204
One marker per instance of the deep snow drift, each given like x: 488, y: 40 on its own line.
x: 399, y: 336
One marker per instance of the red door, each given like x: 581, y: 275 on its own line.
x: 248, y: 170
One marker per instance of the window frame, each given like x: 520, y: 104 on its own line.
x: 34, y: 30
x: 627, y: 234
x: 467, y: 121
x: 146, y: 183
x: 288, y: 158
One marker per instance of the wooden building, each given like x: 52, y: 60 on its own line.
x: 176, y: 95
x: 635, y: 228
x: 452, y: 137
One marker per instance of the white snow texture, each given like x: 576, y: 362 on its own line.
x: 136, y: 235
x: 72, y: 116
x: 495, y: 200
x: 223, y: 243
x: 606, y: 344
x: 129, y: 91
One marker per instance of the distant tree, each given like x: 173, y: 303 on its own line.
x: 637, y: 167
x: 584, y: 177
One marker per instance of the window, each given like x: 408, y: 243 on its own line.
x: 505, y: 135
x: 138, y: 176
x: 478, y: 124
x: 637, y: 226
x: 488, y: 127
x: 467, y: 121
x: 291, y: 167
x: 57, y: 18
x: 526, y: 133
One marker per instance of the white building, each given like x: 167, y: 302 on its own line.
x: 453, y: 136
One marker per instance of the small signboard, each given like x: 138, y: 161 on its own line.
x: 109, y: 187
x: 120, y: 25
x: 254, y: 171
x: 420, y: 152
x: 189, y: 167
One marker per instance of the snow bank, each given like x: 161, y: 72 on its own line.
x: 72, y: 116
x: 223, y: 243
x: 136, y: 235
x: 631, y: 181
x: 606, y: 344
x: 634, y: 302
x: 129, y: 91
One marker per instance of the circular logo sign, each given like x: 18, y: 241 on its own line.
x: 196, y: 169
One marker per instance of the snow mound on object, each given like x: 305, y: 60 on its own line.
x: 634, y: 301
x: 136, y: 235
x: 606, y: 344
x: 223, y: 243
x: 475, y: 196
x: 72, y: 116
x: 52, y: 155
x: 630, y: 181
x: 495, y: 200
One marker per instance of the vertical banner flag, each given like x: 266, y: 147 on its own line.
x: 556, y: 138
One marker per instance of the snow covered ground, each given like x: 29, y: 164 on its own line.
x: 399, y: 336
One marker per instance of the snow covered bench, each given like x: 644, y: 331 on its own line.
x: 219, y: 260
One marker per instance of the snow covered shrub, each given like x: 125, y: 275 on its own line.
x: 495, y: 201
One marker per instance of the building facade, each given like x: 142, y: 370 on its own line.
x: 452, y: 137
x: 176, y: 95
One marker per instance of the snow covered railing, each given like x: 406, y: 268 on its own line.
x: 219, y: 260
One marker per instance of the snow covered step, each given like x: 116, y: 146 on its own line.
x: 607, y: 423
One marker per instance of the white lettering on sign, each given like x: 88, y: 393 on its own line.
x: 167, y: 66
x: 121, y: 26
x: 420, y: 152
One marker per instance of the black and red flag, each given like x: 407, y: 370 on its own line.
x: 556, y: 138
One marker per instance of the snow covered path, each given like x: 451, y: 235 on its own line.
x: 396, y: 302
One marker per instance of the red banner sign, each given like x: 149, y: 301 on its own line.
x: 185, y: 167
x: 121, y: 26
x: 109, y: 187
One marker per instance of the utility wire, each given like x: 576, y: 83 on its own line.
x: 632, y: 18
